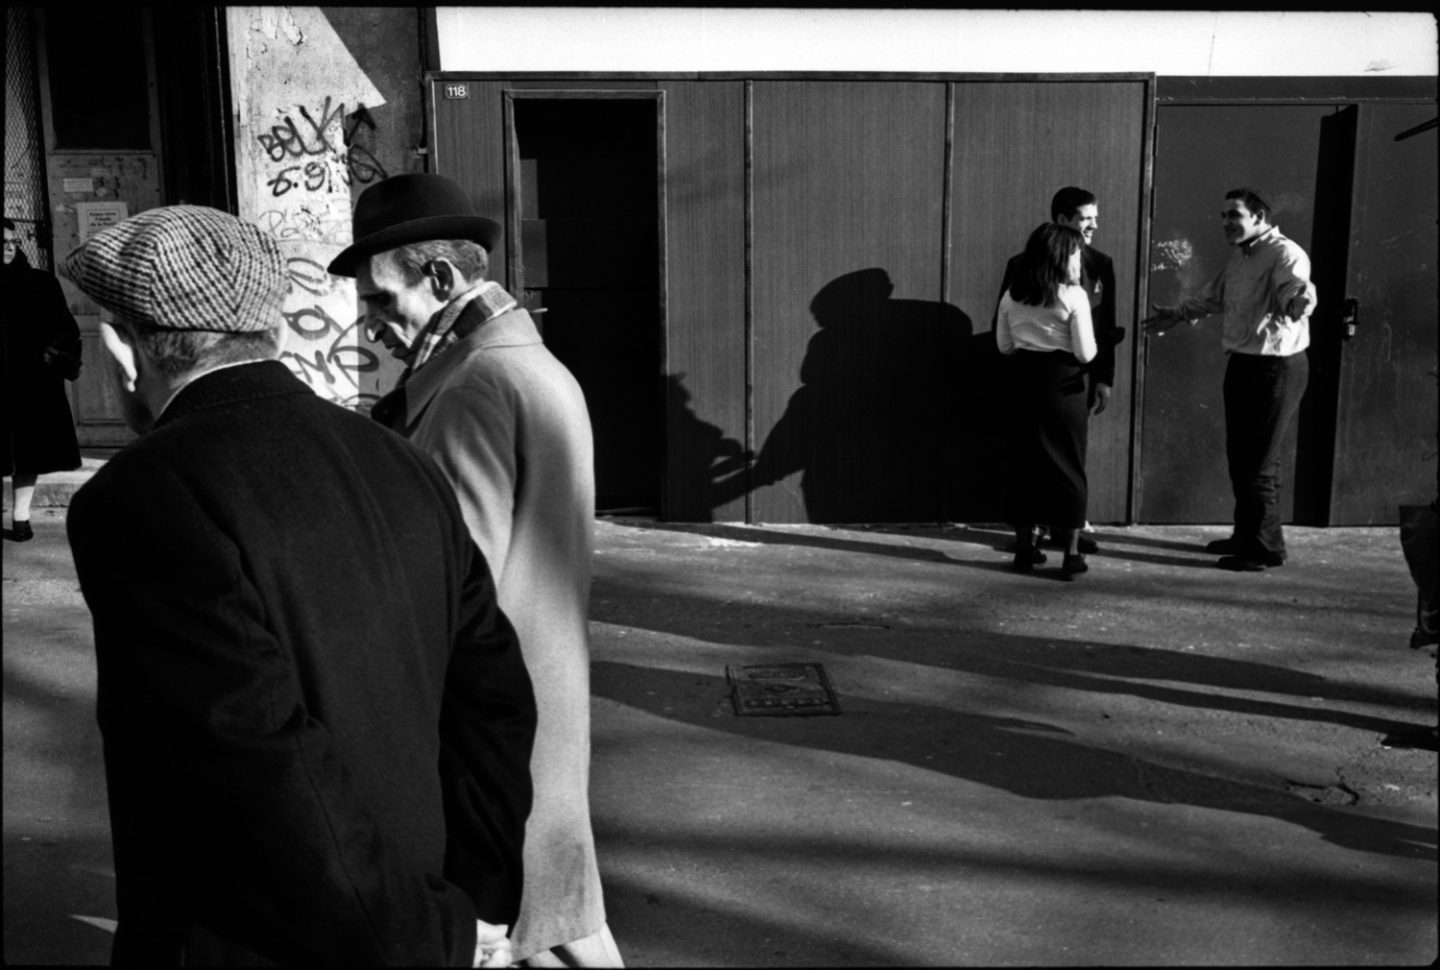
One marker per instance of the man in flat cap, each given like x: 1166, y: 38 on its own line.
x: 317, y: 722
x: 1266, y: 297
x: 508, y: 425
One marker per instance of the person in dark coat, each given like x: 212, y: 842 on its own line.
x: 1078, y: 209
x: 317, y: 723
x: 41, y: 339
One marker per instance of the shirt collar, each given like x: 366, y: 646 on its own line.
x: 1263, y: 237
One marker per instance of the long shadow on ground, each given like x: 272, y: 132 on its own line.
x: 1027, y: 758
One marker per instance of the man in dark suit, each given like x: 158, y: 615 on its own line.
x: 1078, y: 209
x: 316, y: 719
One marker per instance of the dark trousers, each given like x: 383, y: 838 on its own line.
x: 1262, y: 395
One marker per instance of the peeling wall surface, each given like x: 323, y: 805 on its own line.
x: 309, y: 129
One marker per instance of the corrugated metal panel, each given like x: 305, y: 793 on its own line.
x: 706, y: 368
x: 1016, y: 144
x: 1201, y: 153
x: 1386, y: 435
x: 851, y: 362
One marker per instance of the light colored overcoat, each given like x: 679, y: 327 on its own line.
x: 508, y: 425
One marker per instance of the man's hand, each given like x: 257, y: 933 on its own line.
x: 1102, y: 398
x: 492, y: 946
x: 1162, y: 319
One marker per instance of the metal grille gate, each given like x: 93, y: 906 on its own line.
x: 25, y: 203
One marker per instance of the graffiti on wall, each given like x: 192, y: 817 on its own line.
x: 308, y: 139
x: 319, y: 349
x: 309, y: 159
x: 309, y: 154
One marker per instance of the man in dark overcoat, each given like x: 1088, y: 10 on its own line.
x: 39, y: 349
x: 316, y: 720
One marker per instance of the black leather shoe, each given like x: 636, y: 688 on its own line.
x: 20, y: 530
x: 1026, y: 559
x: 1073, y: 566
x: 1250, y: 563
x: 1224, y: 547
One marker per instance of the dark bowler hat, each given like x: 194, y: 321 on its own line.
x: 409, y: 209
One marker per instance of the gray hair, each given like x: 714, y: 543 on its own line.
x: 469, y: 258
x: 177, y: 353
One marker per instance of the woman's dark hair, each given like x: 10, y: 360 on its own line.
x: 1045, y: 265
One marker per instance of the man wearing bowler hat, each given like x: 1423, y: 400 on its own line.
x: 508, y: 425
x: 317, y: 723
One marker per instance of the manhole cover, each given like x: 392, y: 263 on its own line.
x: 781, y: 690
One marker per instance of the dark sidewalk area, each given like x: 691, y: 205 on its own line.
x: 1160, y: 763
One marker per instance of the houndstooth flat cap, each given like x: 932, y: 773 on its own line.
x: 184, y: 267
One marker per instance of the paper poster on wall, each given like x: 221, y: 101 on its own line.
x: 94, y: 216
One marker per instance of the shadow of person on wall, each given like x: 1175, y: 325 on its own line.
x: 700, y: 456
x: 872, y: 427
x: 979, y: 487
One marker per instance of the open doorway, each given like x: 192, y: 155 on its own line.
x: 587, y: 252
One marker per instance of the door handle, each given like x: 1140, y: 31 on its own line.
x: 1349, y: 317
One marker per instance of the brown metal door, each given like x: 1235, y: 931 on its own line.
x: 1016, y: 143
x: 1385, y: 439
x: 850, y: 339
x: 1203, y: 151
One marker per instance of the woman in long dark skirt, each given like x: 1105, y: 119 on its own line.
x: 39, y: 338
x: 1043, y: 326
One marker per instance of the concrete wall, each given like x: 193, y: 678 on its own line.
x: 327, y: 101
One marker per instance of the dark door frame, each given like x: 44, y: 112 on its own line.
x: 515, y: 259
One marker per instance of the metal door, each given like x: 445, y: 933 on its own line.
x: 1203, y: 151
x: 1363, y: 205
x: 1385, y: 439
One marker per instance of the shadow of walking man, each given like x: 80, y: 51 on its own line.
x: 869, y: 428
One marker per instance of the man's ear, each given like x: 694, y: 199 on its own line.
x: 442, y: 279
x: 121, y: 347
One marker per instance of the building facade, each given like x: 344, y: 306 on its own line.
x: 773, y: 264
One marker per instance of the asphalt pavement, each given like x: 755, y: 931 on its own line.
x: 1159, y: 763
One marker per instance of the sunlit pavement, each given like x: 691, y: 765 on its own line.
x: 1160, y: 763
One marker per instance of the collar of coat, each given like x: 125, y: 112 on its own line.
x: 231, y: 385
x: 513, y: 328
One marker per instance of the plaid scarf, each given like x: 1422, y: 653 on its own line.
x: 440, y: 333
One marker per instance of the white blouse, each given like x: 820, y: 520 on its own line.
x: 1067, y: 326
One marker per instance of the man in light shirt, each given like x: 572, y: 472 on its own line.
x: 1266, y: 295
